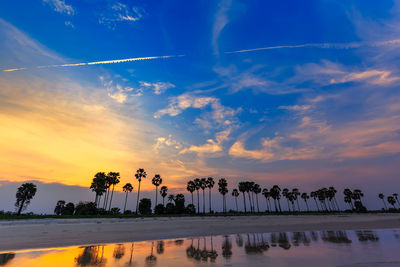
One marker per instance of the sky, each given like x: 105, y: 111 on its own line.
x: 300, y: 94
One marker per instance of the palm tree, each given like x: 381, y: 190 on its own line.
x: 285, y: 193
x: 305, y: 197
x: 203, y: 184
x: 163, y: 193
x: 242, y: 188
x: 296, y: 194
x: 191, y: 187
x: 210, y: 184
x: 139, y: 175
x: 127, y: 189
x: 266, y: 194
x: 98, y: 186
x: 235, y: 193
x: 157, y: 180
x: 313, y: 194
x: 58, y: 210
x: 171, y: 198
x: 249, y: 188
x: 223, y: 189
x: 348, y: 197
x: 257, y: 190
x: 24, y: 195
x: 333, y: 192
x: 107, y: 187
x: 197, y: 183
x: 381, y: 196
x: 276, y: 196
x: 391, y: 201
x: 114, y: 179
x: 395, y: 195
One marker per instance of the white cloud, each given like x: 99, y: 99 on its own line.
x: 221, y: 20
x: 118, y: 92
x: 120, y: 12
x: 163, y: 142
x: 60, y: 6
x: 211, y: 146
x: 157, y: 87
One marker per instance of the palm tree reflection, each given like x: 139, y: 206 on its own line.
x: 338, y: 237
x: 197, y: 254
x: 160, y: 247
x: 255, y: 244
x: 5, y: 258
x: 151, y: 259
x: 119, y: 251
x: 90, y: 256
x: 226, y: 248
x: 367, y: 235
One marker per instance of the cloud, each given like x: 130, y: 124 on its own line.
x: 60, y: 6
x: 157, y: 87
x: 118, y: 92
x: 376, y: 77
x: 113, y: 61
x: 221, y: 20
x: 395, y: 42
x: 119, y: 12
x: 163, y: 142
x: 211, y: 146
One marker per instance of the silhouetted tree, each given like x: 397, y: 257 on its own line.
x: 235, y: 194
x: 127, y: 189
x: 69, y: 209
x: 203, y: 185
x: 59, y: 207
x: 156, y: 181
x: 305, y: 197
x: 24, y: 195
x: 191, y: 187
x: 6, y: 257
x: 98, y: 186
x: 179, y: 203
x: 257, y: 190
x: 267, y: 195
x: 296, y: 194
x: 210, y: 184
x: 197, y: 183
x: 276, y: 196
x: 85, y: 208
x: 395, y: 195
x: 145, y: 206
x: 114, y: 180
x: 381, y: 196
x: 391, y: 200
x: 223, y: 189
x: 163, y: 193
x: 139, y: 175
x: 242, y: 189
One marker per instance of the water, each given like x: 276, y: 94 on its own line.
x: 320, y: 248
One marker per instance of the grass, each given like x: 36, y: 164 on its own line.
x: 121, y: 216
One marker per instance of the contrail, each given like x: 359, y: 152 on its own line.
x: 323, y: 46
x: 114, y: 61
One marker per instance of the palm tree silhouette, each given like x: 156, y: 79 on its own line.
x: 296, y: 194
x: 332, y: 192
x: 381, y: 196
x: 127, y: 189
x: 191, y: 187
x: 163, y: 193
x: 257, y: 190
x: 114, y: 179
x: 210, y: 184
x: 59, y: 207
x: 391, y: 201
x: 348, y: 197
x: 242, y: 188
x: 24, y: 195
x: 98, y: 186
x: 197, y: 183
x: 107, y: 187
x: 171, y: 198
x: 223, y: 189
x: 285, y: 193
x: 249, y: 188
x: 266, y: 194
x: 139, y: 175
x: 313, y: 194
x: 305, y: 197
x: 395, y: 195
x: 235, y: 194
x: 203, y: 184
x: 276, y: 196
x: 157, y: 180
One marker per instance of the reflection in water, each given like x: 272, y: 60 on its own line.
x: 6, y: 257
x: 273, y: 248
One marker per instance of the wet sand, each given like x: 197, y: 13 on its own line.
x: 46, y: 233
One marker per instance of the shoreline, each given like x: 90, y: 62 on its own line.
x: 50, y: 233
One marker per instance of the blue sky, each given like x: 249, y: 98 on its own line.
x: 312, y: 101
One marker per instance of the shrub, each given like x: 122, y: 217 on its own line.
x: 190, y: 209
x: 170, y: 208
x: 127, y: 212
x: 68, y: 209
x: 179, y: 203
x: 145, y: 206
x: 115, y: 211
x: 159, y: 209
x: 86, y: 208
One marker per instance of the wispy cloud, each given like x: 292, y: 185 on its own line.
x: 353, y: 45
x: 157, y: 87
x: 211, y: 146
x: 221, y: 20
x: 60, y: 6
x: 118, y: 92
x: 119, y: 12
x: 113, y: 61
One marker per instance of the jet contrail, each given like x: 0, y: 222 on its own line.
x: 323, y: 45
x: 114, y: 61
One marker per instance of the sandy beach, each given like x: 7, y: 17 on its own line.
x: 46, y: 233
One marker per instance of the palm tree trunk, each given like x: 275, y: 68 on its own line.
x: 209, y: 199
x: 192, y: 198
x: 204, y: 202
x: 163, y: 200
x: 307, y: 206
x: 156, y: 197
x: 112, y: 193
x: 105, y: 199
x: 298, y: 206
x: 276, y: 207
x: 384, y: 204
x: 198, y: 202
x: 126, y: 198
x: 20, y: 207
x: 237, y: 210
x: 288, y: 204
x: 137, y: 201
x: 258, y: 207
x: 337, y: 205
x: 244, y: 202
x: 253, y: 204
x: 279, y: 203
x: 251, y: 207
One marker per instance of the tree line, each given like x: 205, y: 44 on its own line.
x: 104, y: 184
